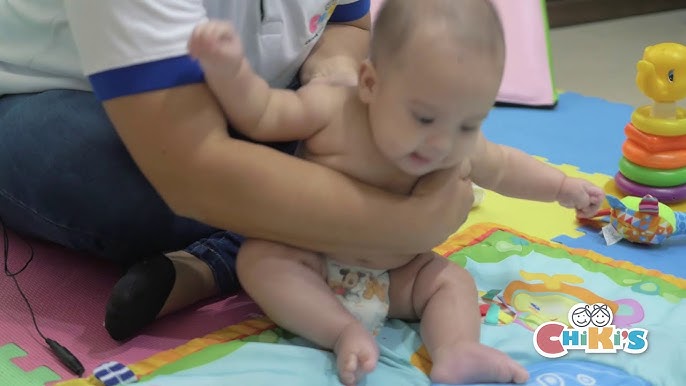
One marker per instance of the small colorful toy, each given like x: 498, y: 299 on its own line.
x: 494, y: 310
x: 654, y: 153
x: 642, y: 220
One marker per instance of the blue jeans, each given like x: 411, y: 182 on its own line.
x: 66, y: 177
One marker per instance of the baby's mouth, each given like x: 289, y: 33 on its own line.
x: 420, y: 159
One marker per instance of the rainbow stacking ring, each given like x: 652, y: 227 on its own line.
x: 642, y: 120
x: 665, y: 160
x: 654, y: 143
x: 652, y: 177
x: 666, y: 195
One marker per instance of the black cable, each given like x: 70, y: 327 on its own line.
x: 61, y: 352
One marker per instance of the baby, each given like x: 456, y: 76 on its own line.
x: 431, y: 79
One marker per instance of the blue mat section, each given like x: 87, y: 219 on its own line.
x: 587, y: 132
x: 667, y: 257
x: 576, y: 373
x: 583, y: 131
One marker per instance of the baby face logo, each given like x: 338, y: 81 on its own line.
x: 590, y: 329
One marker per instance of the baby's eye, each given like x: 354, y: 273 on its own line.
x: 423, y: 119
x: 670, y: 75
x: 469, y: 128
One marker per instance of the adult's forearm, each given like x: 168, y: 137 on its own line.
x: 269, y: 195
x: 179, y: 141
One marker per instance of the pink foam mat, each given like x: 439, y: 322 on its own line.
x: 69, y: 291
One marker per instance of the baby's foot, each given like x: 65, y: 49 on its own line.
x: 472, y: 362
x: 217, y: 45
x: 356, y: 352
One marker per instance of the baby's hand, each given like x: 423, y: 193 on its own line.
x: 218, y: 47
x: 581, y: 195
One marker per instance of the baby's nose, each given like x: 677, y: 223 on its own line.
x: 440, y: 142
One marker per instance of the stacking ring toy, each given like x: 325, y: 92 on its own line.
x: 652, y: 177
x: 666, y: 195
x: 636, y: 153
x: 658, y: 126
x: 654, y: 143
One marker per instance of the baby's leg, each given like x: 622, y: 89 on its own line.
x: 288, y: 284
x: 443, y: 295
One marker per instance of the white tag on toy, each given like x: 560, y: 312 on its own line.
x: 611, y: 235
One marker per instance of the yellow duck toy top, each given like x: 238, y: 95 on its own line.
x: 662, y: 76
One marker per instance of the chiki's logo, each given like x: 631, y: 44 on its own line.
x: 590, y: 330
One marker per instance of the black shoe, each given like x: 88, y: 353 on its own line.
x: 138, y: 297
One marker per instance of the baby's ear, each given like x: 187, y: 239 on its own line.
x: 368, y: 81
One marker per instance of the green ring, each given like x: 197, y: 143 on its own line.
x: 652, y: 177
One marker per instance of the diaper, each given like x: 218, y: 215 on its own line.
x: 362, y: 291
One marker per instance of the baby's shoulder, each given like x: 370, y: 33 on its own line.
x: 323, y: 95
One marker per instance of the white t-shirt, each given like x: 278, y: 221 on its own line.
x: 124, y: 47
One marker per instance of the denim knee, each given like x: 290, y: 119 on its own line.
x: 219, y: 251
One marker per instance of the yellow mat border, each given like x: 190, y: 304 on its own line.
x: 479, y: 232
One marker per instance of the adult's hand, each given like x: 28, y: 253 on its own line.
x: 443, y: 199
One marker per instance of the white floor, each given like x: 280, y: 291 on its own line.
x: 599, y: 59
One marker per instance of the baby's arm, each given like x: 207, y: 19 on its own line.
x: 252, y: 107
x: 514, y: 173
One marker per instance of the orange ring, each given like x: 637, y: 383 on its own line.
x: 654, y: 143
x: 665, y: 160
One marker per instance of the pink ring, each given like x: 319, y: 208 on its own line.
x: 666, y: 195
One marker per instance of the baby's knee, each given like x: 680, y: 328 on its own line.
x: 458, y: 280
x: 447, y: 273
x: 455, y: 271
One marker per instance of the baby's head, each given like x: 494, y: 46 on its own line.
x: 432, y: 77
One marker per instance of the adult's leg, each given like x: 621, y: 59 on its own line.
x: 166, y: 283
x: 66, y: 177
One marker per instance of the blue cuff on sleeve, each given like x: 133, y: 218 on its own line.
x: 350, y: 12
x: 136, y: 79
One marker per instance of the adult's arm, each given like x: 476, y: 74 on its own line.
x: 177, y: 136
